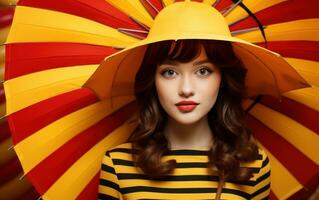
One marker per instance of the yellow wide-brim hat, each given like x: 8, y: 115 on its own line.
x: 268, y: 72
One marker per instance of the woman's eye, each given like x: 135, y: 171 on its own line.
x: 204, y: 71
x: 168, y: 73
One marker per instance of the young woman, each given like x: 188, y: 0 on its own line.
x: 191, y: 141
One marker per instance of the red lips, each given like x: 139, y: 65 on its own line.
x: 186, y: 106
x: 187, y: 103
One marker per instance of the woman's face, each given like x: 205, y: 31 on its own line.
x: 197, y: 81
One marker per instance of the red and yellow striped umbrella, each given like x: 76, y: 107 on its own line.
x: 11, y: 187
x: 61, y: 130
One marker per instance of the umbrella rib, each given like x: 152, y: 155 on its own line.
x: 230, y: 8
x: 152, y: 6
x: 131, y: 34
x: 162, y: 4
x: 2, y: 117
x: 10, y: 148
x: 22, y: 177
x: 139, y: 23
x: 132, y: 30
x: 215, y: 3
x: 246, y: 30
x: 118, y: 47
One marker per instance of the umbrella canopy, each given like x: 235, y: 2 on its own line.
x: 61, y: 130
x: 10, y: 168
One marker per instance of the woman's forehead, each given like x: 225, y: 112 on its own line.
x: 197, y: 60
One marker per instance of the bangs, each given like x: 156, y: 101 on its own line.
x: 180, y: 50
x: 220, y: 53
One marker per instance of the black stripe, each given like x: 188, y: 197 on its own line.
x: 178, y: 165
x: 182, y: 190
x: 127, y: 190
x: 122, y: 150
x: 106, y: 197
x: 253, y: 183
x: 265, y: 162
x: 123, y: 176
x: 109, y: 184
x: 129, y: 176
x: 261, y: 190
x: 123, y: 162
x: 263, y: 177
x: 108, y: 169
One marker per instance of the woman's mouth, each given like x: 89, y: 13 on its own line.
x: 186, y: 108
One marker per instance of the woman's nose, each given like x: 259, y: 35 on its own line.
x: 186, y: 87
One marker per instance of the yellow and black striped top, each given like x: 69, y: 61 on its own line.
x: 119, y: 179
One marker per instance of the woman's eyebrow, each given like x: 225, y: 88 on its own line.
x: 174, y: 62
x: 202, y: 62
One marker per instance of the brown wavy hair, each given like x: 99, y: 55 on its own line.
x: 232, y: 142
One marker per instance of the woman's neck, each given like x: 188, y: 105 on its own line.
x: 188, y: 136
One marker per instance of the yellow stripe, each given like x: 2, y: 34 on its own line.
x: 32, y: 88
x: 133, y: 8
x: 108, y: 190
x: 168, y: 2
x: 53, y: 26
x: 14, y: 188
x: 6, y: 155
x: 261, y: 195
x: 307, y: 96
x: 253, y: 5
x: 305, y: 140
x: 307, y: 68
x: 53, y: 136
x: 306, y: 29
x: 283, y: 183
x: 209, y: 2
x: 186, y: 184
x: 4, y: 33
x: 68, y: 185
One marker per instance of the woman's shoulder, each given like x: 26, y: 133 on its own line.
x: 123, y: 150
x: 123, y: 146
x: 264, y: 161
x: 260, y: 166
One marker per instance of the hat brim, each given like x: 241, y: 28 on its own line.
x: 268, y: 72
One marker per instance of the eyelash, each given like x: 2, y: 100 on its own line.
x: 206, y: 68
